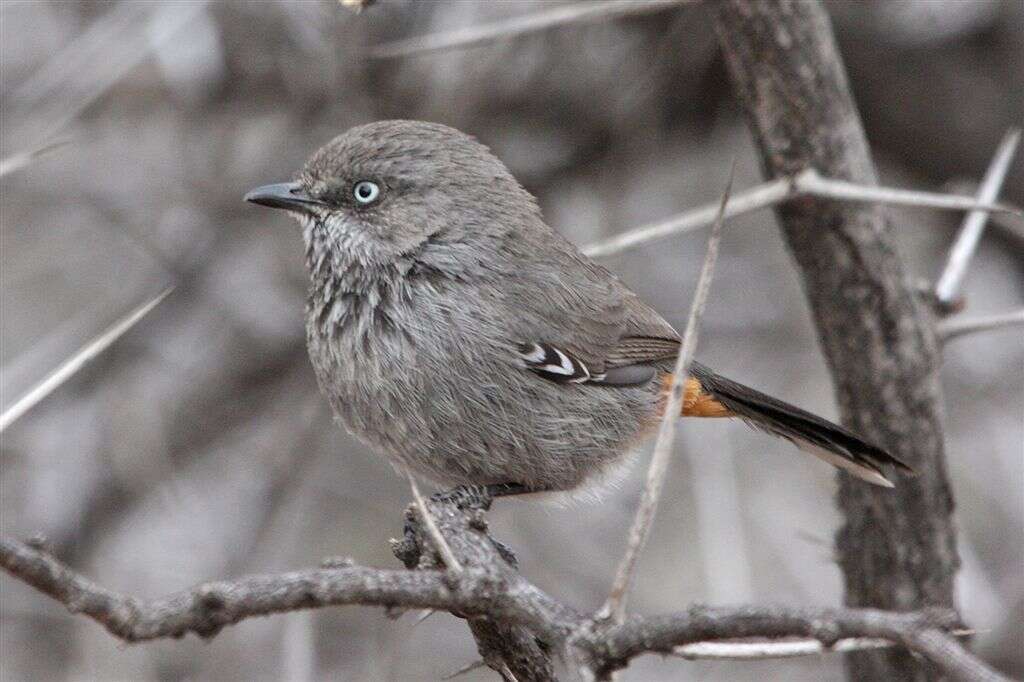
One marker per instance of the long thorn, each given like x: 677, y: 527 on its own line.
x: 811, y: 183
x: 951, y: 329
x: 947, y: 289
x: 1009, y: 223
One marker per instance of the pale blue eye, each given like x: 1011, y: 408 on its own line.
x: 366, y: 192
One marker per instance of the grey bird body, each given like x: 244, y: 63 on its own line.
x: 458, y: 335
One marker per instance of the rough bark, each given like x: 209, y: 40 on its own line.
x: 897, y: 548
x: 519, y: 629
x: 507, y: 647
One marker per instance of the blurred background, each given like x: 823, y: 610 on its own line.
x: 198, y: 446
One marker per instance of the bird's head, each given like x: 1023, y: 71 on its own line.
x: 391, y: 189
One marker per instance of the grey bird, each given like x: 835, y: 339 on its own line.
x: 462, y: 338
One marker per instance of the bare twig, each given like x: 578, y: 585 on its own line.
x: 21, y: 159
x: 783, y: 648
x: 615, y: 607
x: 954, y: 328
x: 926, y: 631
x: 435, y: 533
x: 806, y: 183
x: 73, y: 55
x: 494, y: 592
x: 1009, y: 223
x: 811, y: 183
x: 947, y: 288
x: 935, y: 645
x: 69, y: 367
x: 86, y: 69
x: 766, y: 194
x: 521, y: 25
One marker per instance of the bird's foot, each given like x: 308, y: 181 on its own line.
x: 466, y: 497
x: 479, y: 496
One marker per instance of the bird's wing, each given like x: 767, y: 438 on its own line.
x: 568, y: 320
x: 582, y: 325
x: 646, y: 338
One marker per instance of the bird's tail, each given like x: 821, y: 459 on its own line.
x: 710, y: 395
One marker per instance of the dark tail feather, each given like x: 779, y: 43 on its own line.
x: 830, y: 442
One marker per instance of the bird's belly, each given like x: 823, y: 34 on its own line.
x: 462, y: 427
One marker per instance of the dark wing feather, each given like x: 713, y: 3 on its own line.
x: 555, y: 364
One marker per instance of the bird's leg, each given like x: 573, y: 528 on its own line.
x: 479, y: 496
x: 471, y: 497
x: 508, y: 489
x: 465, y: 497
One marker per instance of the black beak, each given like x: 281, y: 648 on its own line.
x: 287, y: 195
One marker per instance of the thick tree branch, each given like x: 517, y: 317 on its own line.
x: 517, y: 626
x: 508, y: 646
x: 205, y: 609
x: 923, y: 631
x: 897, y: 548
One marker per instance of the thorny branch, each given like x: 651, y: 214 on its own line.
x: 100, y: 57
x: 493, y: 596
x: 806, y: 183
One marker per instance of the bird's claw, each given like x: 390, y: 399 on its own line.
x: 466, y: 497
